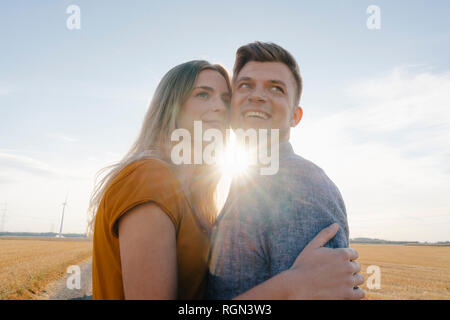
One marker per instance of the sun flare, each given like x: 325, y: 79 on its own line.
x: 235, y: 159
x: 234, y: 162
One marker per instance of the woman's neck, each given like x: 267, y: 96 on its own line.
x: 194, y: 188
x: 185, y: 174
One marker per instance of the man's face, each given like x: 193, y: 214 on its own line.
x: 263, y: 98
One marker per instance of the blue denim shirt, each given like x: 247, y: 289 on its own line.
x: 268, y: 220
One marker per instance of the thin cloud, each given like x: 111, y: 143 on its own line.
x: 26, y: 164
x: 401, y: 101
x: 62, y: 137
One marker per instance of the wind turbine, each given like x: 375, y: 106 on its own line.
x: 62, y: 218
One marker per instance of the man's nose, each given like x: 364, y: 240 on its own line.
x: 257, y: 95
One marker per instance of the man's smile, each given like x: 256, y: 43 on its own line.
x: 256, y: 115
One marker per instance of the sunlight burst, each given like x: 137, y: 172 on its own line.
x: 235, y: 159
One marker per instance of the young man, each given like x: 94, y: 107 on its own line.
x: 269, y: 219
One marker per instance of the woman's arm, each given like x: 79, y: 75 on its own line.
x: 148, y: 254
x: 317, y: 273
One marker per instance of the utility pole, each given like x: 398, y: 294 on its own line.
x: 62, y: 218
x: 3, y: 216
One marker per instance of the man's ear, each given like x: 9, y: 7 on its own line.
x: 297, y: 116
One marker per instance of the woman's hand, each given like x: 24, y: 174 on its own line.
x: 317, y: 273
x: 325, y: 273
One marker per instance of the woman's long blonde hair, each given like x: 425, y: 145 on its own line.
x: 154, y: 141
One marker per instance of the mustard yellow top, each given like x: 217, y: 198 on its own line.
x: 148, y: 180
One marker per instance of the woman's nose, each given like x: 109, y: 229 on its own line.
x: 219, y: 106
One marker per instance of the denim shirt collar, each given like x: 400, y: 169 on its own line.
x: 285, y: 150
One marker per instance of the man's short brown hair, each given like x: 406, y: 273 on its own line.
x: 267, y: 52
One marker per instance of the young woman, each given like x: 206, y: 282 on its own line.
x: 152, y: 218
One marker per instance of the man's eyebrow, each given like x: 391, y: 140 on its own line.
x: 205, y: 88
x: 243, y: 79
x: 278, y: 82
x: 271, y: 81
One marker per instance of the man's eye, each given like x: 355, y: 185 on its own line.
x: 244, y: 85
x: 202, y: 95
x: 277, y: 88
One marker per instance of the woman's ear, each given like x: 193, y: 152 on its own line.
x: 297, y: 116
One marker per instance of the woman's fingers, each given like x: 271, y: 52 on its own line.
x: 328, y: 266
x: 358, y: 279
x: 348, y: 253
x: 357, y: 294
x: 323, y: 237
x: 356, y: 267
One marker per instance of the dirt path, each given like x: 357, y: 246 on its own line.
x: 58, y: 290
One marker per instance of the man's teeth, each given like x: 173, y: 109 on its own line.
x: 257, y: 114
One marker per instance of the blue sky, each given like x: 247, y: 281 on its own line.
x: 375, y: 101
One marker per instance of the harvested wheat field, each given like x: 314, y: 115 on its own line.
x: 27, y: 265
x: 407, y: 272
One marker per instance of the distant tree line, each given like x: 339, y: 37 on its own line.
x: 381, y: 241
x: 41, y: 234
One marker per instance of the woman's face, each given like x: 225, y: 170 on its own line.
x: 209, y: 102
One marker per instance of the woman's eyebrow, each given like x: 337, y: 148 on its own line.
x: 205, y: 88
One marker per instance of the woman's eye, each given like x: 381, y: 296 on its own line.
x: 244, y: 85
x: 202, y: 95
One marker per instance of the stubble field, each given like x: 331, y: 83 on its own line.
x: 27, y: 265
x: 407, y: 272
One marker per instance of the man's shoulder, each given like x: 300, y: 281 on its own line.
x: 306, y: 184
x: 295, y: 162
x: 299, y: 170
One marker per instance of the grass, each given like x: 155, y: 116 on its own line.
x: 407, y: 272
x: 28, y: 265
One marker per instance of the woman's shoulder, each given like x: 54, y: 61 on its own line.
x: 146, y: 174
x: 143, y: 181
